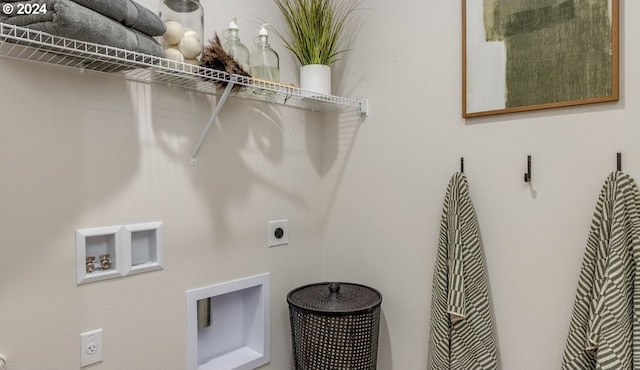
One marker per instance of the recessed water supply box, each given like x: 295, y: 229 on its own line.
x: 94, y: 245
x: 116, y: 251
x: 228, y: 325
x: 145, y: 241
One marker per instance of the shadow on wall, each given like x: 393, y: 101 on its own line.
x: 247, y: 149
x: 491, y: 301
x: 385, y: 359
x: 339, y: 132
x: 62, y: 151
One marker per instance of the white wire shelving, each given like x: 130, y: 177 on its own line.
x: 35, y: 46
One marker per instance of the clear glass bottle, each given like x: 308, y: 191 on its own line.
x: 235, y: 47
x: 185, y: 28
x: 264, y: 61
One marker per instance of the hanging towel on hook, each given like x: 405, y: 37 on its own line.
x: 462, y: 336
x: 604, y: 332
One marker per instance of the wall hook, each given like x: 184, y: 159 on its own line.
x: 527, y: 175
x: 461, y: 164
x: 619, y: 161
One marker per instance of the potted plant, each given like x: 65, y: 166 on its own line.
x: 316, y: 31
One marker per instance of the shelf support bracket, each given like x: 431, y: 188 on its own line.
x: 219, y: 105
x: 364, y: 107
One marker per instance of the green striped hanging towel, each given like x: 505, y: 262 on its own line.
x: 604, y: 332
x: 461, y: 336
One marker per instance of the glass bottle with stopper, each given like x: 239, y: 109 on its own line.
x: 264, y: 61
x: 234, y: 47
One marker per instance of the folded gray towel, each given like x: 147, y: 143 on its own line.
x: 127, y: 12
x: 66, y: 18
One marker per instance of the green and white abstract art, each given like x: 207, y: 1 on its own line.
x: 521, y: 55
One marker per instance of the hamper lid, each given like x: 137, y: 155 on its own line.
x: 335, y: 298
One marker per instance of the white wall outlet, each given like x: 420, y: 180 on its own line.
x: 90, y: 347
x: 278, y: 233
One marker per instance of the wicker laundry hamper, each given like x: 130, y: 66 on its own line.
x: 334, y: 326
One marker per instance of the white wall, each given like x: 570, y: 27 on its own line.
x: 363, y: 199
x: 386, y: 179
x: 88, y: 150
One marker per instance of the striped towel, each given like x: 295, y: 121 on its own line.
x: 604, y: 332
x: 462, y: 336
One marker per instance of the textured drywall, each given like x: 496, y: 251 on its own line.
x: 385, y: 182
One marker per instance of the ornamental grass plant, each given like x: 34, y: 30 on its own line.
x: 315, y: 31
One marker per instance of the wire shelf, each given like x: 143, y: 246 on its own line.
x: 26, y: 44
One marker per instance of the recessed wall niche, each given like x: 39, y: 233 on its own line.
x: 228, y: 325
x: 93, y: 243
x: 115, y: 251
x: 146, y: 254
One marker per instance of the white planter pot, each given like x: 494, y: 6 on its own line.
x: 316, y: 78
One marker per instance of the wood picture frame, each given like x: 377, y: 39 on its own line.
x: 523, y: 55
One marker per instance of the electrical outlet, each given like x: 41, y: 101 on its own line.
x: 278, y: 233
x: 90, y: 347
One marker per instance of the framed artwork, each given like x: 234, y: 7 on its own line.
x: 522, y: 55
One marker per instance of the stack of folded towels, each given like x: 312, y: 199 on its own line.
x: 123, y: 24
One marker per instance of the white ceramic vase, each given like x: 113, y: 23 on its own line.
x: 316, y: 78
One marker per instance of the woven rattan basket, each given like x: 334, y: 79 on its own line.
x: 335, y: 326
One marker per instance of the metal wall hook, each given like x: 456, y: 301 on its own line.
x: 619, y: 161
x: 527, y: 175
x: 461, y: 164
